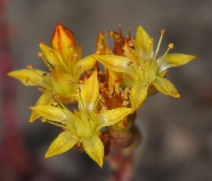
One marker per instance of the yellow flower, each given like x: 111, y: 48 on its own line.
x: 146, y: 70
x: 65, y: 64
x: 83, y: 127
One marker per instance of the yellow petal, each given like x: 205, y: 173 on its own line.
x: 31, y: 77
x: 63, y: 41
x: 164, y: 86
x: 62, y: 82
x: 111, y: 117
x: 44, y: 99
x: 114, y: 81
x: 53, y: 57
x: 90, y: 92
x: 83, y: 65
x: 50, y: 112
x: 138, y: 95
x: 142, y: 41
x: 94, y: 148
x: 116, y: 63
x: 64, y: 142
x: 175, y: 60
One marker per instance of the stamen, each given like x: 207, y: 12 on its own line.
x: 120, y: 30
x: 71, y: 82
x: 129, y: 33
x: 150, y: 47
x: 159, y: 42
x: 55, y: 103
x: 43, y: 120
x: 170, y: 46
x: 36, y: 83
x: 30, y: 67
x: 56, y: 124
x: 81, y: 101
x: 40, y: 55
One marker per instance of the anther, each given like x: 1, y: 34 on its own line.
x: 64, y: 121
x: 39, y: 54
x: 41, y: 89
x: 79, y: 68
x: 51, y: 51
x: 162, y: 31
x: 29, y: 66
x: 171, y: 45
x: 27, y: 80
x: 43, y: 120
x: 129, y: 63
x: 70, y: 47
x: 71, y: 82
x: 55, y: 103
x: 79, y: 90
x: 76, y: 55
x: 151, y: 40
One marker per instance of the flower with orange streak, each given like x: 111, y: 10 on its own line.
x: 65, y: 64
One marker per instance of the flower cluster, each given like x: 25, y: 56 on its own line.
x: 107, y: 99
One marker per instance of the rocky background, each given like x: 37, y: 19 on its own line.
x: 177, y: 134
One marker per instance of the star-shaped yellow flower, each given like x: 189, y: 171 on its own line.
x: 83, y: 127
x: 146, y: 70
x: 65, y: 65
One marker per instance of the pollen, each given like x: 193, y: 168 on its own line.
x: 52, y: 52
x: 171, y: 45
x: 39, y: 54
x: 151, y: 40
x: 29, y: 66
x: 70, y: 47
x: 43, y: 120
x: 162, y: 31
x: 55, y: 103
x: 64, y: 121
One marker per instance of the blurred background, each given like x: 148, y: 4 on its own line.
x: 177, y: 134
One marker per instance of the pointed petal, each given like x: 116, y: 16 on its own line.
x: 142, y: 40
x: 138, y: 95
x: 53, y: 57
x: 63, y: 41
x: 116, y: 63
x: 111, y: 117
x: 33, y: 77
x: 83, y: 65
x: 62, y: 82
x: 90, y: 92
x: 114, y: 81
x: 64, y: 142
x: 94, y: 148
x: 50, y: 112
x: 44, y: 99
x: 175, y: 60
x: 164, y: 86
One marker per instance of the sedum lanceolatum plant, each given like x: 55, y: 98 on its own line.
x: 107, y: 99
